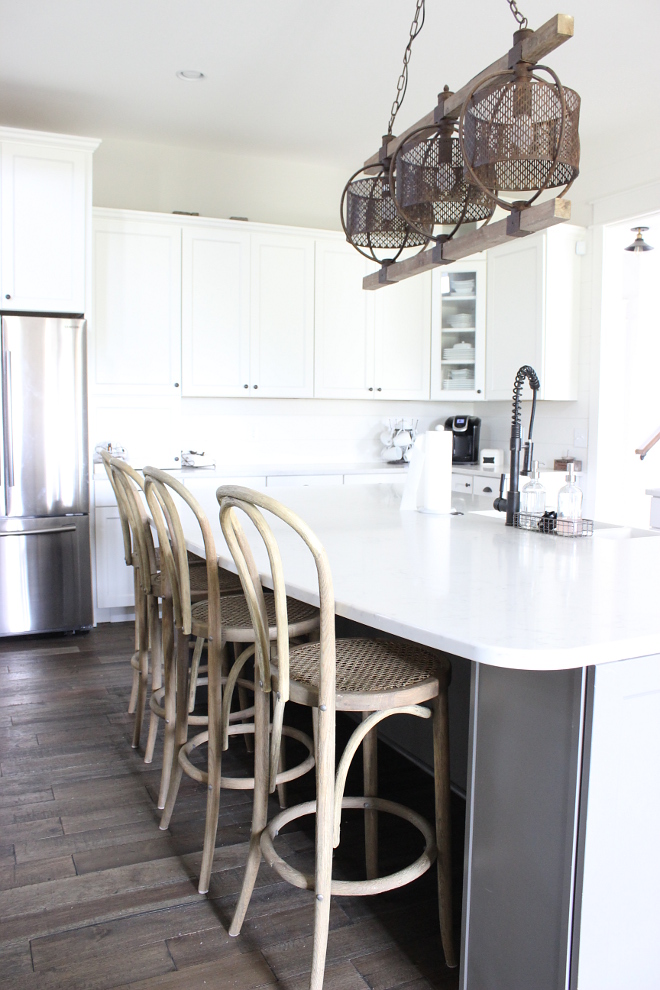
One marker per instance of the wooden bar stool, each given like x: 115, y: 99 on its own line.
x: 219, y: 622
x: 379, y: 678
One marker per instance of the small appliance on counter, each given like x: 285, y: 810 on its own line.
x: 465, y: 430
x: 196, y: 459
x: 491, y: 459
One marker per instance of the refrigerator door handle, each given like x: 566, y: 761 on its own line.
x: 9, y: 431
x: 38, y: 532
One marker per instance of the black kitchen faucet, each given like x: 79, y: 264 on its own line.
x: 511, y: 504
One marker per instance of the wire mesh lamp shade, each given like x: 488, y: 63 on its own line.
x: 370, y: 219
x: 430, y: 188
x: 519, y: 133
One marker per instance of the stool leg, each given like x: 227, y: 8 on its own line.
x: 216, y: 660
x: 143, y: 657
x: 181, y: 736
x: 156, y: 672
x: 370, y: 775
x: 325, y: 780
x: 259, y: 806
x: 281, y: 788
x: 136, y: 675
x: 194, y: 672
x: 169, y: 701
x: 443, y: 823
x: 244, y: 702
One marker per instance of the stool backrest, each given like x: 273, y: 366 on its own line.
x: 129, y: 489
x: 159, y: 489
x: 106, y: 457
x: 232, y: 498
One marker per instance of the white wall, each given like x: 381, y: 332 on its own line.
x: 135, y: 175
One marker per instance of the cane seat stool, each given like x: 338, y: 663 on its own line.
x: 378, y: 678
x: 219, y: 621
x: 141, y: 553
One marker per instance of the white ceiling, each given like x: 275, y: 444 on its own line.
x: 306, y: 79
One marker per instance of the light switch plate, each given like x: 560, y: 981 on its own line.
x: 579, y: 438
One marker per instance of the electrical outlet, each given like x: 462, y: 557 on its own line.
x: 579, y: 438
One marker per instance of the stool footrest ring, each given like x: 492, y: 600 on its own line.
x: 351, y: 888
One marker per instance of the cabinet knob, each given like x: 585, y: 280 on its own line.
x: 478, y: 391
x: 7, y: 296
x: 371, y: 388
x: 176, y: 384
x: 255, y: 386
x: 379, y: 390
x: 246, y: 386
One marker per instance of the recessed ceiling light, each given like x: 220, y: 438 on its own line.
x: 191, y: 75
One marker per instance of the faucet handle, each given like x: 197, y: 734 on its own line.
x: 500, y: 503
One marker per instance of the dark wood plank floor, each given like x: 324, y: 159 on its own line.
x: 93, y: 895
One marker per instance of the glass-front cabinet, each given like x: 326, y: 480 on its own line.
x: 459, y: 331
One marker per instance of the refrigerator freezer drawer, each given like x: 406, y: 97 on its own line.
x: 45, y: 575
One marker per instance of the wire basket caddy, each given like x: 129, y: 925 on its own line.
x: 548, y: 523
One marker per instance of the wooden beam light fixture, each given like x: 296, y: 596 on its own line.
x: 508, y: 130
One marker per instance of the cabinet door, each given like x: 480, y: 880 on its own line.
x: 136, y: 329
x: 114, y: 580
x: 458, y: 342
x: 402, y: 351
x: 515, y: 313
x: 282, y: 316
x: 215, y: 329
x: 343, y: 319
x: 43, y: 206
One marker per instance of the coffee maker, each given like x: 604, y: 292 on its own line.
x: 465, y: 446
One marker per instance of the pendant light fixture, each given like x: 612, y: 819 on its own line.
x: 519, y: 131
x: 428, y: 184
x: 639, y: 245
x: 512, y: 129
x: 368, y: 212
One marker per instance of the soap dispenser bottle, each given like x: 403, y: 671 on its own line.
x: 569, y: 499
x: 532, y: 497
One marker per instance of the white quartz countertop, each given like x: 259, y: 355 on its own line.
x: 466, y: 583
x: 275, y: 470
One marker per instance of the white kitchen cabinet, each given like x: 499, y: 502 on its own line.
x: 45, y: 206
x: 114, y: 580
x: 368, y: 345
x: 135, y: 340
x: 377, y: 478
x: 303, y: 480
x: 461, y: 483
x: 343, y: 325
x: 533, y: 313
x: 215, y: 311
x: 402, y: 339
x: 282, y: 315
x: 458, y: 345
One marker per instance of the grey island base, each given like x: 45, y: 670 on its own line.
x: 560, y: 642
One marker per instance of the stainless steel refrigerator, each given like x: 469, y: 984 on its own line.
x: 45, y: 571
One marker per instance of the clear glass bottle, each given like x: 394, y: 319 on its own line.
x: 532, y: 497
x: 569, y: 499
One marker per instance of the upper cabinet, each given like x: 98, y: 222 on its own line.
x: 136, y: 325
x: 533, y: 313
x: 282, y: 315
x: 459, y: 331
x: 344, y: 324
x: 215, y: 329
x: 45, y: 208
x: 402, y: 339
x: 368, y: 345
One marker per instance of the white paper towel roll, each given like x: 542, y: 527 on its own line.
x: 435, y: 486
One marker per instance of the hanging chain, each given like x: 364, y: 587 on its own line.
x: 522, y: 20
x: 402, y: 83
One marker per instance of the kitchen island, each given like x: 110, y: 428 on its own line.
x: 563, y: 794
